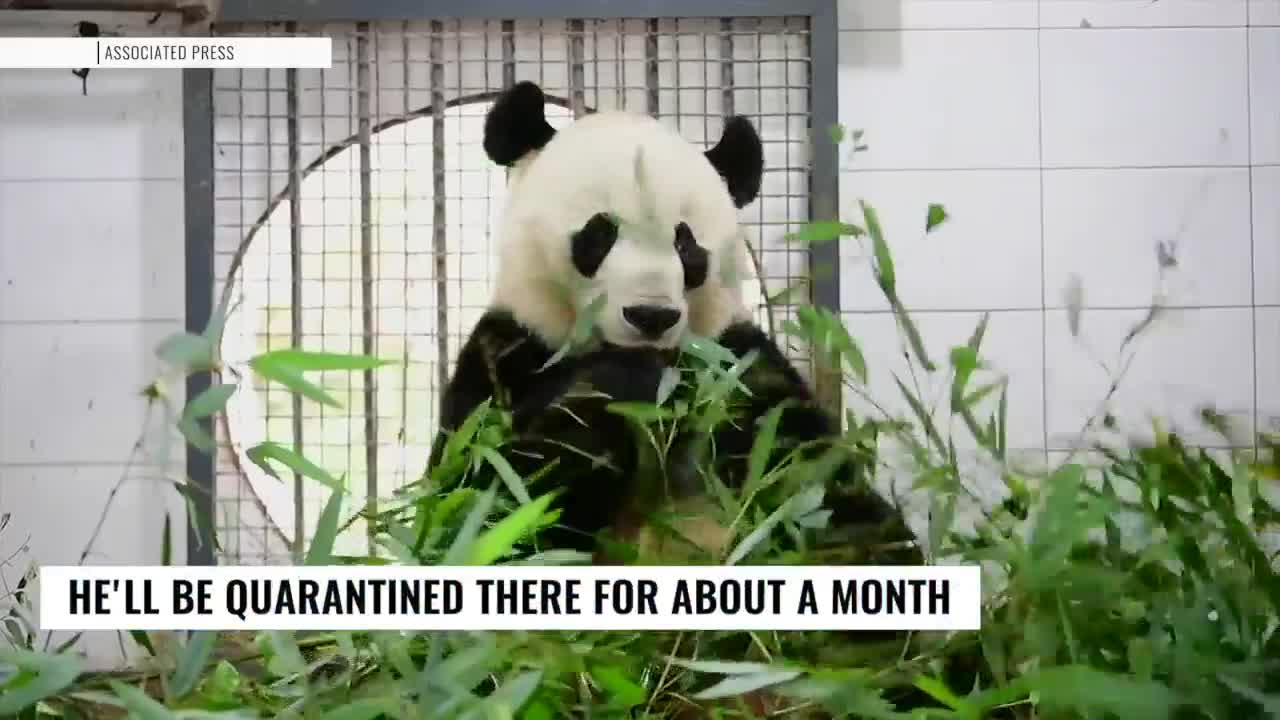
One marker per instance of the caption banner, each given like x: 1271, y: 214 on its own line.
x: 511, y: 598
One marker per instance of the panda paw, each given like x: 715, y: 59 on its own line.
x: 864, y: 521
x: 626, y: 374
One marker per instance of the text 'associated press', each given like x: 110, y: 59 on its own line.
x: 174, y: 53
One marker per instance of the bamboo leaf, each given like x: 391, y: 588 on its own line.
x: 723, y: 667
x: 762, y: 448
x: 623, y: 691
x: 290, y: 377
x: 509, y: 476
x: 364, y: 709
x: 309, y: 361
x: 166, y: 542
x: 195, y: 656
x: 321, y: 550
x: 670, y: 381
x: 261, y: 453
x: 580, y: 332
x: 964, y: 360
x: 736, y: 685
x: 943, y: 694
x: 884, y: 260
x: 212, y: 399
x: 499, y: 539
x: 138, y: 703
x: 193, y: 353
x: 40, y: 675
x: 795, y: 506
x: 922, y: 415
x: 935, y: 217
x: 143, y: 640
x: 1087, y: 689
x: 470, y: 528
x: 285, y: 652
x: 514, y: 693
x: 823, y: 231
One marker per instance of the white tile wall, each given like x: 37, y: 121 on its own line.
x: 1067, y: 139
x: 1187, y: 360
x: 936, y: 14
x: 1268, y: 360
x: 91, y: 279
x: 1264, y: 94
x: 1141, y: 13
x: 922, y: 109
x: 996, y: 235
x: 75, y: 390
x: 1266, y: 232
x: 1264, y: 13
x: 1106, y: 225
x: 121, y: 261
x: 122, y: 129
x: 1144, y: 97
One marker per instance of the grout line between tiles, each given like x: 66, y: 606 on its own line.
x: 136, y: 465
x: 1044, y: 314
x: 1253, y: 267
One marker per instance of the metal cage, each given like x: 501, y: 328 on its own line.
x: 352, y: 209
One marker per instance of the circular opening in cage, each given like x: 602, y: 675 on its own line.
x: 424, y: 303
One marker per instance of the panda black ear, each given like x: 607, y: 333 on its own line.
x: 517, y: 124
x: 739, y: 158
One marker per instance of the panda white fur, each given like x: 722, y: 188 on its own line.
x: 619, y: 204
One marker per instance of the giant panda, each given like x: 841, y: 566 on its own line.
x: 618, y: 215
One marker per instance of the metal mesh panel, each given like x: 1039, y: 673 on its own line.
x: 384, y: 243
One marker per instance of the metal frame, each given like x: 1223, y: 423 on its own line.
x: 321, y: 11
x: 824, y: 183
x: 197, y: 130
x: 192, y: 11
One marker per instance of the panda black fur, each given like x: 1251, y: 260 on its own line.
x: 620, y: 204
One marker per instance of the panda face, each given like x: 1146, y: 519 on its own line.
x: 642, y: 277
x: 619, y: 216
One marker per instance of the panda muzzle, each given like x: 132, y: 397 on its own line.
x: 651, y: 320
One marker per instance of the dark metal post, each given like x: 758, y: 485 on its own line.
x: 824, y: 180
x: 197, y: 129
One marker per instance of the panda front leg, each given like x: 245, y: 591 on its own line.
x: 596, y: 453
x: 607, y: 486
x: 559, y: 416
x: 862, y: 521
x: 498, y: 363
x: 860, y: 516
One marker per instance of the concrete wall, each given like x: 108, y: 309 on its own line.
x: 91, y: 279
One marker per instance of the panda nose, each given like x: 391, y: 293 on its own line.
x: 651, y: 320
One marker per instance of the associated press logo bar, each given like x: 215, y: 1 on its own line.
x: 165, y: 52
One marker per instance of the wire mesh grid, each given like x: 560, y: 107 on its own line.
x: 355, y: 211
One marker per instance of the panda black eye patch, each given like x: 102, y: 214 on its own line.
x: 591, y: 245
x: 693, y: 257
